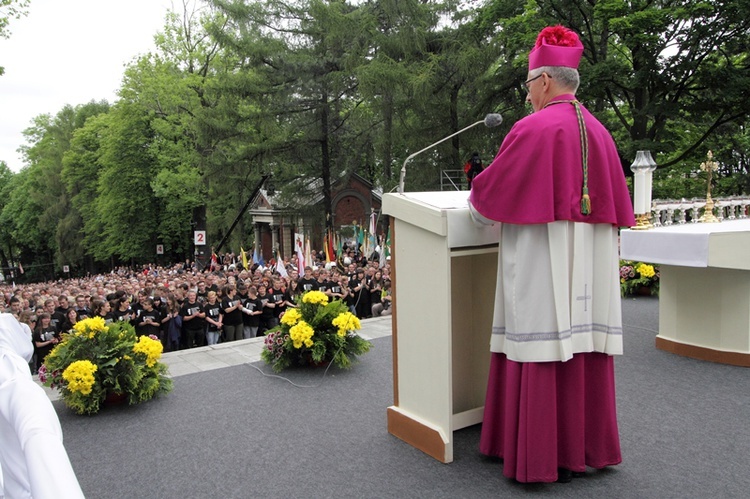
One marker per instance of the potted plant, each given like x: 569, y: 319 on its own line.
x: 638, y: 278
x: 97, y: 362
x: 317, y: 331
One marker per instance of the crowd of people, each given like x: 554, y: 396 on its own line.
x: 186, y: 307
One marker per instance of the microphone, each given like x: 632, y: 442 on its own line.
x: 490, y: 121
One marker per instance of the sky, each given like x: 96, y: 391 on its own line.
x: 69, y: 52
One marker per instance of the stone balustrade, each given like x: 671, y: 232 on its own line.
x: 680, y: 211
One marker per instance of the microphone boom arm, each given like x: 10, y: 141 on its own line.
x: 403, y: 167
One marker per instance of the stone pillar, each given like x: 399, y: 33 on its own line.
x: 257, y: 234
x: 274, y: 239
x: 284, y: 246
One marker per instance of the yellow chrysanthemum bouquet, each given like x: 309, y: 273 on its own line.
x: 316, y: 332
x: 98, y: 361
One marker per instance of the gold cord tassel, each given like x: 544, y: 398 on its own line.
x: 586, y: 203
x: 585, y: 199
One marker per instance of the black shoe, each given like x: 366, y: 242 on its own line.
x: 564, y: 476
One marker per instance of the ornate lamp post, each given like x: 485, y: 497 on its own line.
x: 643, y: 167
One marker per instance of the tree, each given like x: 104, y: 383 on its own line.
x: 125, y: 206
x: 203, y: 126
x: 6, y: 175
x: 56, y: 221
x: 80, y: 174
x: 307, y: 51
x: 10, y: 9
x: 651, y: 69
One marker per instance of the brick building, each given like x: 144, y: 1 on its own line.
x: 276, y: 218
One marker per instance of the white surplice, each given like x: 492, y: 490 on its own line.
x: 558, y: 291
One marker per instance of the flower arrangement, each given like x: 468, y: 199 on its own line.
x: 637, y: 275
x: 315, y: 332
x: 98, y: 360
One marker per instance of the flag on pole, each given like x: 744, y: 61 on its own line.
x: 325, y: 246
x: 308, y: 255
x: 299, y: 248
x: 244, y: 257
x: 255, y: 254
x: 360, y: 239
x: 330, y: 253
x: 386, y: 247
x: 366, y: 243
x: 214, y: 261
x: 280, y: 265
x: 373, y: 233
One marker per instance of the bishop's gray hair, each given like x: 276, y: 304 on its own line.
x: 566, y: 77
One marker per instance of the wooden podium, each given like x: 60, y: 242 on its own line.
x: 444, y: 278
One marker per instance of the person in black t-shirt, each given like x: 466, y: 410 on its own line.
x: 103, y: 309
x: 252, y: 308
x: 59, y: 315
x: 56, y: 318
x: 266, y: 318
x: 279, y: 297
x: 45, y: 338
x: 307, y: 282
x: 339, y: 289
x: 137, y: 307
x: 357, y: 289
x: 214, y: 316
x: 149, y: 319
x: 202, y: 292
x: 193, y: 321
x: 121, y: 310
x: 293, y: 291
x: 83, y: 311
x: 231, y: 305
x: 71, y: 318
x: 242, y: 296
x: 322, y: 280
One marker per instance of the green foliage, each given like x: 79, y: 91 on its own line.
x: 10, y: 9
x: 652, y: 71
x: 314, y: 90
x: 125, y: 205
x: 123, y: 363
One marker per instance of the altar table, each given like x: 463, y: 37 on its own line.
x: 704, y: 296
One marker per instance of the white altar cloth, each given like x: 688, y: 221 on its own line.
x: 689, y: 245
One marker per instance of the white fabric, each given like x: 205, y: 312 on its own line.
x: 15, y: 342
x: 685, y: 245
x: 33, y: 460
x: 558, y: 291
